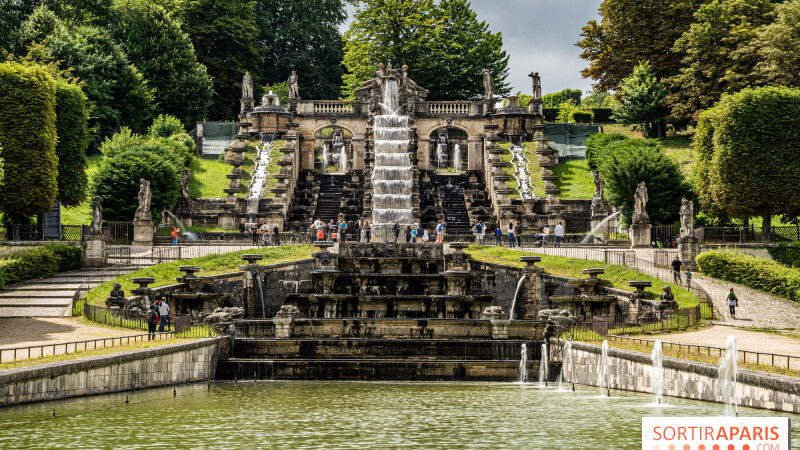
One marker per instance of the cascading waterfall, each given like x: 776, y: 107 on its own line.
x: 325, y: 158
x: 602, y: 374
x: 516, y: 295
x: 391, y: 173
x: 727, y: 371
x: 258, y: 176
x: 523, y: 365
x: 439, y: 155
x: 543, y: 366
x: 658, y: 372
x: 338, y: 143
x: 456, y: 158
x: 599, y: 226
x: 521, y: 172
x: 566, y: 361
x: 261, y: 296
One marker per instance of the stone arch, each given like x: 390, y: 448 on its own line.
x: 471, y: 153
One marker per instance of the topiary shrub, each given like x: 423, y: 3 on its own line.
x: 117, y: 181
x: 173, y: 151
x: 582, y: 117
x: 603, y: 115
x: 597, y: 144
x: 165, y: 126
x: 27, y: 140
x: 757, y: 273
x: 120, y: 142
x: 29, y: 264
x: 72, y: 118
x: 550, y: 114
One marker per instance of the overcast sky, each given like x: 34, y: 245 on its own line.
x: 539, y: 35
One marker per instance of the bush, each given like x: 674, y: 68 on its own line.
x: 597, y: 144
x: 173, y: 151
x: 39, y: 262
x: 117, y: 181
x: 72, y: 117
x: 165, y: 126
x: 120, y: 142
x: 550, y: 114
x: 603, y: 115
x: 70, y: 257
x: 787, y: 255
x: 582, y: 117
x: 555, y: 99
x: 757, y: 273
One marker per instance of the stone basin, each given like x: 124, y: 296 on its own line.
x: 143, y: 281
x: 459, y: 245
x: 640, y: 284
x: 323, y: 245
x: 584, y: 299
x: 530, y: 260
x: 594, y: 272
x: 252, y: 258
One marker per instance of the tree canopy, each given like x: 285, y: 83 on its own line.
x: 641, y: 102
x: 72, y: 116
x: 445, y: 47
x: 555, y: 99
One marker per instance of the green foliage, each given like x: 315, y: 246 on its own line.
x: 280, y: 89
x: 27, y: 140
x: 427, y: 37
x: 173, y: 151
x: 165, y: 126
x: 117, y: 182
x: 776, y: 45
x: 788, y: 255
x: 223, y: 34
x: 631, y: 31
x: 757, y: 273
x: 119, y: 93
x: 39, y: 262
x: 642, y: 102
x: 569, y: 109
x: 713, y: 63
x: 585, y: 116
x: 597, y: 100
x: 155, y: 43
x: 550, y: 114
x: 72, y: 116
x: 627, y: 162
x: 121, y: 141
x: 747, y: 159
x: 301, y: 35
x: 41, y: 24
x: 597, y: 144
x: 556, y: 99
x: 603, y: 115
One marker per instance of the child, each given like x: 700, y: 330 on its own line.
x: 688, y: 278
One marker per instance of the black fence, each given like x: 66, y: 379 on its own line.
x: 8, y: 355
x: 33, y: 232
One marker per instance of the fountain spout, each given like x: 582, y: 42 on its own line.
x: 658, y: 372
x: 516, y: 295
x: 727, y: 373
x: 523, y: 364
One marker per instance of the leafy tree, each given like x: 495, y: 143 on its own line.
x: 280, y: 89
x: 713, y: 63
x: 627, y: 162
x: 747, y: 163
x: 596, y: 146
x: 301, y: 35
x: 165, y: 126
x: 72, y: 117
x: 27, y: 140
x: 597, y: 99
x: 223, y: 34
x: 117, y: 181
x: 555, y: 99
x: 426, y: 37
x: 37, y: 27
x: 777, y: 47
x: 634, y: 30
x: 122, y: 141
x: 156, y: 44
x: 641, y: 102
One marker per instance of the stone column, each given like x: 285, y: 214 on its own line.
x: 640, y: 235
x: 359, y: 152
x: 688, y: 249
x: 253, y: 296
x: 533, y: 288
x: 424, y: 152
x: 143, y: 232
x: 307, y: 154
x: 475, y: 153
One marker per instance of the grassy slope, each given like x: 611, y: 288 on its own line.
x: 208, y: 176
x: 617, y: 276
x: 82, y: 214
x: 678, y: 147
x: 213, y: 264
x: 533, y: 168
x: 574, y: 179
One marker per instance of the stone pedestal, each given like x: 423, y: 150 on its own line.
x: 500, y: 328
x: 283, y: 327
x: 640, y: 235
x: 688, y: 249
x: 143, y: 232
x: 95, y: 251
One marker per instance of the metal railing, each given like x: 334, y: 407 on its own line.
x: 64, y: 348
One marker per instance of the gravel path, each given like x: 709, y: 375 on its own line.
x: 23, y: 332
x: 716, y: 336
x: 756, y: 309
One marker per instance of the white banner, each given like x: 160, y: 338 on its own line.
x: 716, y: 433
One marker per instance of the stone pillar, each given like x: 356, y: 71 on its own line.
x: 143, y: 232
x: 640, y: 235
x: 359, y: 152
x: 688, y: 249
x: 307, y: 154
x: 95, y: 251
x: 284, y: 321
x: 533, y: 288
x: 475, y: 153
x: 424, y: 152
x: 500, y: 328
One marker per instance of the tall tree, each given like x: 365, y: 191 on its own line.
x: 748, y: 164
x: 713, y: 63
x: 156, y: 44
x: 641, y: 102
x: 223, y: 33
x: 777, y: 47
x: 301, y: 35
x: 445, y: 46
x: 631, y: 31
x: 72, y: 116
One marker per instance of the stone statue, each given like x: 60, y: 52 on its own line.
x: 667, y: 298
x: 488, y: 85
x: 186, y: 179
x: 294, y: 93
x: 116, y: 297
x: 537, y: 85
x: 640, y: 199
x: 687, y: 218
x: 598, y: 202
x: 97, y: 216
x: 143, y: 211
x: 247, y: 85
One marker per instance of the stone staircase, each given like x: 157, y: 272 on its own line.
x: 329, y: 199
x: 301, y: 210
x: 454, y: 206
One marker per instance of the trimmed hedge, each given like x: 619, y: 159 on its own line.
x: 757, y: 273
x: 601, y: 115
x: 583, y: 117
x: 72, y: 118
x: 39, y: 262
x: 787, y: 255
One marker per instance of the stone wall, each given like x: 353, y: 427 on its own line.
x: 632, y: 371
x: 497, y: 280
x: 124, y: 371
x: 279, y: 280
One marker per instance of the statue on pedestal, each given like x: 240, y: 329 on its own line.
x: 247, y: 85
x: 488, y: 85
x: 687, y: 218
x: 536, y: 80
x: 186, y: 179
x: 97, y: 216
x: 598, y: 202
x: 294, y: 93
x: 640, y: 199
x: 116, y: 298
x: 143, y: 211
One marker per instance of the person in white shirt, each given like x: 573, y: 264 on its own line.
x: 163, y: 312
x: 559, y: 234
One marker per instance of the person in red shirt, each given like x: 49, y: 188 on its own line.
x: 174, y: 237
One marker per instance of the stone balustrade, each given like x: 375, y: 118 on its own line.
x: 449, y: 108
x: 333, y: 107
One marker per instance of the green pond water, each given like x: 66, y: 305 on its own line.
x: 277, y: 414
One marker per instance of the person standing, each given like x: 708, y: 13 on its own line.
x: 264, y: 230
x: 440, y: 232
x: 545, y: 233
x: 732, y: 302
x: 396, y: 230
x: 676, y: 270
x: 414, y: 232
x: 174, y: 237
x: 359, y: 227
x: 276, y: 234
x: 342, y: 231
x: 511, y: 238
x: 151, y: 318
x: 163, y: 312
x: 688, y: 278
x: 498, y: 236
x: 373, y: 231
x: 314, y: 232
x: 408, y: 234
x: 366, y: 230
x: 254, y: 234
x: 518, y: 233
x: 425, y: 238
x: 559, y: 232
x: 331, y: 230
x: 478, y: 233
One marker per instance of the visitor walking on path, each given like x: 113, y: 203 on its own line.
x: 559, y: 232
x: 733, y: 302
x: 676, y: 270
x: 518, y: 233
x: 479, y: 233
x: 396, y: 230
x: 163, y: 311
x: 688, y: 278
x: 498, y: 236
x: 174, y: 237
x: 511, y: 238
x: 151, y: 318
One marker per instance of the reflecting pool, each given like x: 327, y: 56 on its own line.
x: 347, y: 414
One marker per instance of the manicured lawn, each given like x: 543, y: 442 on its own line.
x: 678, y: 146
x: 615, y: 276
x: 166, y: 273
x: 574, y: 179
x: 82, y: 214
